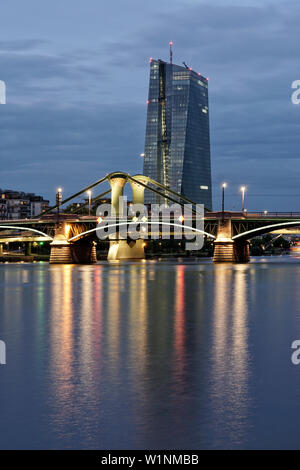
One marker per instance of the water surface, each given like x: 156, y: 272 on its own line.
x: 171, y: 354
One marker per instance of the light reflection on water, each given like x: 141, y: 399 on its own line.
x: 150, y: 355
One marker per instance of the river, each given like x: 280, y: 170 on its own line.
x: 150, y: 355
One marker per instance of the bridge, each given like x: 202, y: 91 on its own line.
x: 73, y: 237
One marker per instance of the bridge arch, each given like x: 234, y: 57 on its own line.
x: 27, y: 229
x: 265, y: 229
x: 192, y: 229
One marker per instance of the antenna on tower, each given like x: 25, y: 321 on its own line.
x: 171, y: 52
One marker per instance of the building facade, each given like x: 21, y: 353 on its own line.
x: 20, y: 205
x: 177, y: 144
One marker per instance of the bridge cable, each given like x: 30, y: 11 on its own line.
x: 75, y: 195
x: 172, y: 192
x: 95, y: 199
x: 161, y: 194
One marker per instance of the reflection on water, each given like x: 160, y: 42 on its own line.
x: 148, y: 355
x: 179, y: 325
x: 230, y: 366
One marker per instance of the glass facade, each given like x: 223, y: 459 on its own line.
x: 177, y: 146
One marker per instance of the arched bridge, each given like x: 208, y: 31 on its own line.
x: 72, y: 237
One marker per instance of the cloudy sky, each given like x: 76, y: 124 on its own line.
x: 77, y: 77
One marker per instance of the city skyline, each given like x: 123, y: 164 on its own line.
x: 74, y: 103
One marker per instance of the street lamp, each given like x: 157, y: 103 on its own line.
x: 89, y: 193
x: 224, y: 185
x: 58, y: 199
x: 243, y: 189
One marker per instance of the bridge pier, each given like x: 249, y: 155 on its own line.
x: 121, y: 248
x: 117, y: 183
x: 84, y: 253
x: 138, y: 191
x: 228, y: 250
x: 60, y: 252
x: 28, y: 246
x: 242, y: 251
x: 224, y: 252
x: 64, y: 252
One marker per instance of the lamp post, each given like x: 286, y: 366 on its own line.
x: 58, y: 200
x: 223, y: 198
x: 89, y: 193
x: 243, y: 189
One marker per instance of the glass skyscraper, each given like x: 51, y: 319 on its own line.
x: 177, y: 146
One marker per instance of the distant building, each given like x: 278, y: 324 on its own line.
x: 19, y: 205
x: 82, y: 207
x: 177, y: 145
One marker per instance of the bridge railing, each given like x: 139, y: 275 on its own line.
x: 272, y: 214
x: 251, y: 215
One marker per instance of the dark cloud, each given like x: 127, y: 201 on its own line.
x: 68, y: 147
x: 21, y: 45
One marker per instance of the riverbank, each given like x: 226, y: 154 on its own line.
x: 18, y: 258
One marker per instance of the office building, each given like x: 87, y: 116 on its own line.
x: 177, y: 144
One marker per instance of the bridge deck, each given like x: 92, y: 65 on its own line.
x: 252, y: 223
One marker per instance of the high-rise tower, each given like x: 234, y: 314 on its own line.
x: 177, y: 146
